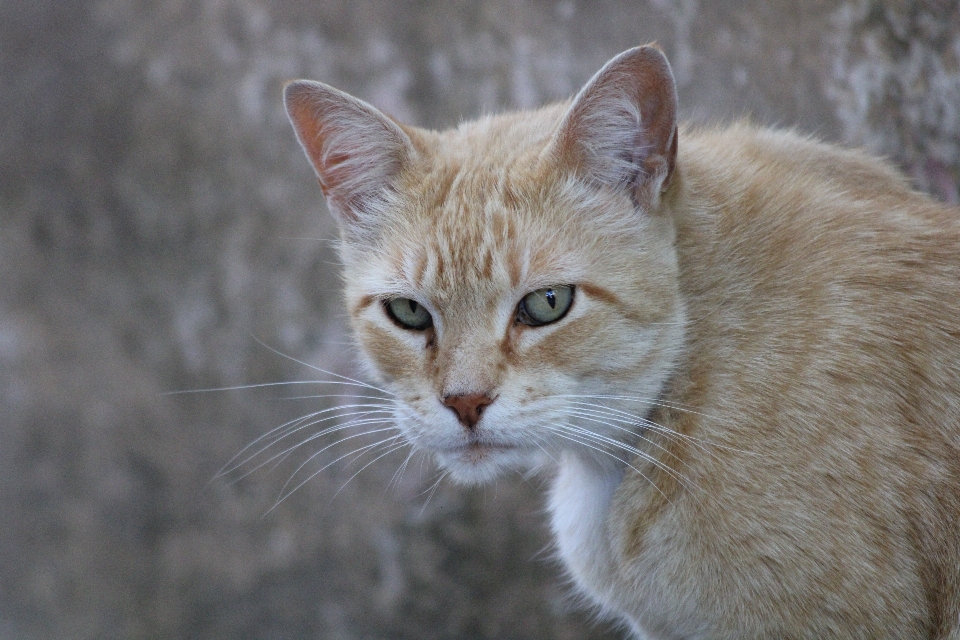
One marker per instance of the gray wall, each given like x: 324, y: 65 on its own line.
x: 159, y: 226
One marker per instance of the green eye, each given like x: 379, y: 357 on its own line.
x: 409, y: 314
x: 544, y: 306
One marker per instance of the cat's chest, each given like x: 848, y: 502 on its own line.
x: 580, y: 501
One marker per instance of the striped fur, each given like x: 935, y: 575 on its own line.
x: 751, y: 412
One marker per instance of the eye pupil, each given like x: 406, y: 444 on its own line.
x: 413, y: 306
x: 551, y: 298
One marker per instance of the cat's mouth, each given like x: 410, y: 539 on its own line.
x: 477, y: 461
x: 478, y: 448
x: 476, y: 452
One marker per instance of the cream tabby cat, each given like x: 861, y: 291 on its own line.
x: 738, y: 350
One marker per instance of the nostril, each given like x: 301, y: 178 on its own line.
x: 468, y: 407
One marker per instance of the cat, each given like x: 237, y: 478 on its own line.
x: 736, y: 350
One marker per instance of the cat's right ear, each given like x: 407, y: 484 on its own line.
x: 355, y: 149
x: 621, y: 129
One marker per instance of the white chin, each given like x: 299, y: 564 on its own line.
x: 479, y: 466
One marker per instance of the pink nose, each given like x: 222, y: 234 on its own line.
x: 468, y: 407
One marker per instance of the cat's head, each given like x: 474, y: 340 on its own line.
x: 512, y: 281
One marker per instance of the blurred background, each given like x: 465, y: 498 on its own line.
x: 160, y: 230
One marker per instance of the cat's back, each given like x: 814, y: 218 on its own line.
x: 823, y: 371
x: 782, y: 231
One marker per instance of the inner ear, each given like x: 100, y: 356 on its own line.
x: 621, y: 129
x: 355, y: 149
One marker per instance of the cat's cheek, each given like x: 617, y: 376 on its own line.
x: 569, y: 347
x: 395, y: 354
x: 548, y: 345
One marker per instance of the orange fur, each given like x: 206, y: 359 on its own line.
x: 752, y: 408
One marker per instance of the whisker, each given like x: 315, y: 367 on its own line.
x: 398, y: 474
x: 309, y: 421
x: 651, y: 402
x: 336, y: 395
x: 655, y: 426
x: 432, y: 490
x: 549, y: 455
x: 318, y: 369
x: 592, y: 418
x: 313, y: 414
x: 283, y: 455
x: 289, y: 428
x: 230, y: 466
x: 590, y: 414
x: 601, y: 439
x: 279, y: 457
x: 286, y: 493
x: 635, y: 421
x: 329, y: 446
x: 605, y: 452
x: 390, y: 449
x: 262, y: 385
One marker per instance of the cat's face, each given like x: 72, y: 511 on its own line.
x: 505, y: 295
x: 468, y: 240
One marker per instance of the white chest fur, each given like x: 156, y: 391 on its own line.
x: 579, y: 508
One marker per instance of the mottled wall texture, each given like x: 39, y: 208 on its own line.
x: 160, y: 230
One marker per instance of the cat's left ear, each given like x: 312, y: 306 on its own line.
x: 621, y: 129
